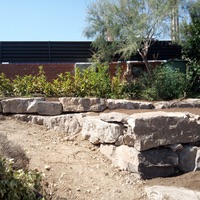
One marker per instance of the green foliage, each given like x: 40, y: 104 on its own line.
x: 165, y: 83
x: 190, y: 38
x: 30, y: 85
x: 93, y: 81
x: 63, y: 85
x: 117, y: 86
x: 125, y: 27
x: 133, y: 89
x: 5, y: 86
x: 18, y: 184
x: 193, y: 77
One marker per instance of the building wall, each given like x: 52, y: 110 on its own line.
x: 51, y: 69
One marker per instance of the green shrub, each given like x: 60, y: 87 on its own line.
x: 193, y: 77
x: 117, y: 86
x: 6, y: 88
x: 133, y: 89
x: 18, y: 184
x: 63, y: 85
x: 165, y: 83
x: 92, y: 82
x: 31, y: 85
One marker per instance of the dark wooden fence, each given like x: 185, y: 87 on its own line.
x: 52, y: 52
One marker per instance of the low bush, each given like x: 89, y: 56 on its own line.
x: 92, y: 82
x: 165, y: 83
x: 16, y: 181
x: 18, y: 184
x: 6, y: 88
x: 193, y: 77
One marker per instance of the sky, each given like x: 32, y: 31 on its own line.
x: 43, y: 20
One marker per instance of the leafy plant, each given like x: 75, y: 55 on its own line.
x: 5, y: 86
x: 63, y: 85
x: 193, y: 77
x: 93, y: 81
x: 117, y: 85
x: 165, y: 83
x: 18, y: 184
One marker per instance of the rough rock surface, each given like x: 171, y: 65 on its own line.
x: 75, y: 104
x: 189, y: 159
x: 98, y: 131
x: 162, y: 128
x: 171, y: 193
x: 186, y: 103
x: 114, y: 117
x: 127, y: 104
x: 49, y: 108
x: 35, y: 119
x: 70, y: 124
x: 149, y: 164
x: 20, y: 105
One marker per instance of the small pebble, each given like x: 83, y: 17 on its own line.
x: 47, y: 167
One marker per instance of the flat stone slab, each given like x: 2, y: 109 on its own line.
x: 114, y: 117
x: 171, y: 193
x: 75, y: 104
x: 49, y: 108
x: 21, y: 105
x: 186, y: 103
x: 128, y: 104
x: 154, y: 129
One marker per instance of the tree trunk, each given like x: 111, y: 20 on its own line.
x: 145, y: 60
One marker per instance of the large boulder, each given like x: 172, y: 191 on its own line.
x: 98, y: 131
x: 148, y: 164
x: 154, y: 129
x: 189, y: 159
x: 49, y: 108
x: 75, y: 104
x: 128, y: 104
x: 21, y: 105
x: 70, y: 124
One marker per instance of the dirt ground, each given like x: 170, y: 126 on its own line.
x: 75, y: 169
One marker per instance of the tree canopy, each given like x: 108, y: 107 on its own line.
x: 127, y: 27
x: 190, y: 38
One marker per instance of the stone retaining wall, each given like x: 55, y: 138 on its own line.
x: 153, y: 144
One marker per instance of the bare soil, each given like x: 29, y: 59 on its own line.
x: 75, y: 169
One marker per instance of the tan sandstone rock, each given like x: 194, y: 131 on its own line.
x: 154, y: 129
x: 21, y: 105
x: 76, y: 104
x: 98, y: 131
